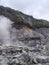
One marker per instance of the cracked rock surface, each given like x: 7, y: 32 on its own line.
x: 25, y: 52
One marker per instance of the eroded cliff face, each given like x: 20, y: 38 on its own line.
x: 20, y: 43
x: 23, y: 52
x: 26, y: 35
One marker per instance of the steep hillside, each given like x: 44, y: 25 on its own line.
x: 20, y: 19
x: 20, y: 44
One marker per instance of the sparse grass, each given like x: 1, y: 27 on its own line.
x: 16, y: 17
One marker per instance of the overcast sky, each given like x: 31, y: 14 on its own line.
x: 36, y: 8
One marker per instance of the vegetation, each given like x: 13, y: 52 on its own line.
x: 22, y: 19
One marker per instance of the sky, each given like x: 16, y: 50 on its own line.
x: 37, y: 8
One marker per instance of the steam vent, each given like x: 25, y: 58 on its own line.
x: 24, y: 40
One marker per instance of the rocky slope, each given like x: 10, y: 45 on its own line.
x: 26, y: 48
x: 25, y: 52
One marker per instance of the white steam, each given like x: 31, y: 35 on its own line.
x: 5, y: 26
